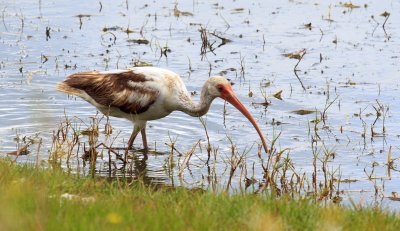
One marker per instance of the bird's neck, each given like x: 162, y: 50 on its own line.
x: 198, y: 109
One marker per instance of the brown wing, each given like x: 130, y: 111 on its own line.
x: 126, y: 90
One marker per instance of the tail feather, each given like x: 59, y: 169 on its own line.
x: 64, y: 87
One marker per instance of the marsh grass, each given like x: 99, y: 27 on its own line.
x: 34, y: 198
x: 77, y: 143
x: 48, y: 197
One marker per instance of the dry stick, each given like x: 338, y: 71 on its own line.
x: 22, y: 23
x: 37, y: 154
x: 75, y: 141
x: 208, y: 139
x: 242, y: 66
x: 322, y: 34
x: 226, y: 22
x: 191, y: 153
x: 389, y: 159
x: 314, y: 174
x: 204, y: 42
x: 377, y: 24
x: 383, y: 26
x: 223, y: 40
x: 295, y: 70
x: 327, y: 106
x: 263, y: 37
x: 4, y: 23
x: 142, y: 28
x: 119, y: 157
x: 109, y: 155
x: 187, y: 158
x: 234, y: 162
x: 172, y: 146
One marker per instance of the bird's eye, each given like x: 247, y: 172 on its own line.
x: 220, y: 88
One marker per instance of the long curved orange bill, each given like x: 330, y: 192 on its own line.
x: 231, y: 97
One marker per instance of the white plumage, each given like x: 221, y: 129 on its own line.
x: 141, y: 94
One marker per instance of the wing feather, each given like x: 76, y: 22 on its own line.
x: 126, y: 90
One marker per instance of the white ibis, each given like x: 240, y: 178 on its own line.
x: 141, y: 94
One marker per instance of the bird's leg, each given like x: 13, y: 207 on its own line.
x: 144, y: 139
x: 135, y: 132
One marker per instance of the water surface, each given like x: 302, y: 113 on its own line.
x: 350, y: 60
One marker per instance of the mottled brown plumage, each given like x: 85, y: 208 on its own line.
x: 114, y: 89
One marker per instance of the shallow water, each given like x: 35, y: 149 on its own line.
x: 359, y: 66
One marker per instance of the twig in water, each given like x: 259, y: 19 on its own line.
x: 208, y: 138
x: 37, y: 154
x: 376, y: 26
x: 235, y: 161
x: 327, y: 106
x: 322, y: 34
x: 226, y: 22
x: 48, y: 29
x: 204, y: 42
x: 389, y: 162
x: 187, y: 158
x: 386, y: 15
x: 263, y: 37
x: 223, y: 40
x: 303, y: 52
x: 2, y: 16
x: 242, y: 66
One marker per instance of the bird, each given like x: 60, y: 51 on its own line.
x: 142, y: 94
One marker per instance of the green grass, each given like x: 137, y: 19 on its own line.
x: 31, y: 199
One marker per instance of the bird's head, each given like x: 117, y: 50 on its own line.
x: 218, y: 86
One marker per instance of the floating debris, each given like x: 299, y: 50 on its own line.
x: 20, y: 152
x: 385, y: 14
x: 348, y: 181
x: 303, y: 111
x: 138, y: 63
x: 83, y: 16
x: 350, y: 82
x: 178, y: 13
x: 223, y: 40
x: 43, y: 58
x: 350, y: 5
x: 265, y: 83
x: 278, y: 95
x: 80, y: 16
x: 237, y: 10
x: 265, y: 103
x: 308, y: 26
x: 48, y: 33
x: 113, y: 28
x: 139, y: 41
x: 394, y: 197
x: 224, y: 72
x: 128, y: 30
x: 295, y: 55
x: 118, y: 28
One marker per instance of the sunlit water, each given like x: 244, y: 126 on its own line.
x: 349, y: 57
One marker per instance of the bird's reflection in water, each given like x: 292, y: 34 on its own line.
x: 137, y: 169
